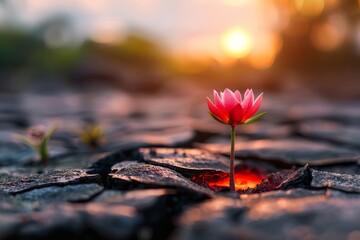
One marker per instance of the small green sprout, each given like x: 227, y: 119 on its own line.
x: 37, y: 138
x: 92, y: 135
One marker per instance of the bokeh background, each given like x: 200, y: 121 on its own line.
x: 304, y: 47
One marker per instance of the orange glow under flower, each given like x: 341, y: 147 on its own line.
x: 245, y: 178
x: 243, y: 181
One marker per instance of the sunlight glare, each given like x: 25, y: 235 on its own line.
x: 236, y: 43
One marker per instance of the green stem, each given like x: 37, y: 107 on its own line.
x: 232, y: 159
x: 44, y: 154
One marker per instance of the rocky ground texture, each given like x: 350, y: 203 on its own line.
x: 158, y: 171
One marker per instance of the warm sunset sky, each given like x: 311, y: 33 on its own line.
x: 222, y: 29
x: 173, y: 21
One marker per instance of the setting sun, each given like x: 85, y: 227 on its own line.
x: 236, y: 43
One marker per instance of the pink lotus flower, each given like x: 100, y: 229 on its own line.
x: 230, y: 108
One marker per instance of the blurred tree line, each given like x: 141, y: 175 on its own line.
x: 27, y: 57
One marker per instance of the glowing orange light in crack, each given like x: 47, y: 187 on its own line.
x: 243, y: 181
x: 245, y: 178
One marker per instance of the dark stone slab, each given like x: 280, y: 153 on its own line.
x: 8, y: 204
x: 208, y: 220
x: 161, y: 136
x: 343, y: 182
x: 57, y: 194
x: 52, y: 105
x: 17, y: 180
x: 171, y: 137
x: 157, y: 208
x: 185, y: 160
x: 139, y: 199
x: 209, y: 126
x: 8, y: 225
x: 126, y: 173
x: 77, y: 160
x: 281, y: 218
x: 276, y: 194
x: 289, y: 194
x: 121, y: 144
x: 15, y: 154
x: 291, y: 178
x: 288, y: 151
x: 265, y: 130
x: 111, y: 103
x: 332, y: 193
x: 326, y: 110
x: 164, y: 106
x: 331, y: 131
x: 86, y: 221
x: 150, y: 123
x: 351, y: 168
x: 9, y: 103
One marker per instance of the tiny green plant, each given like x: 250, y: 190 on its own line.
x: 37, y: 138
x: 92, y: 135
